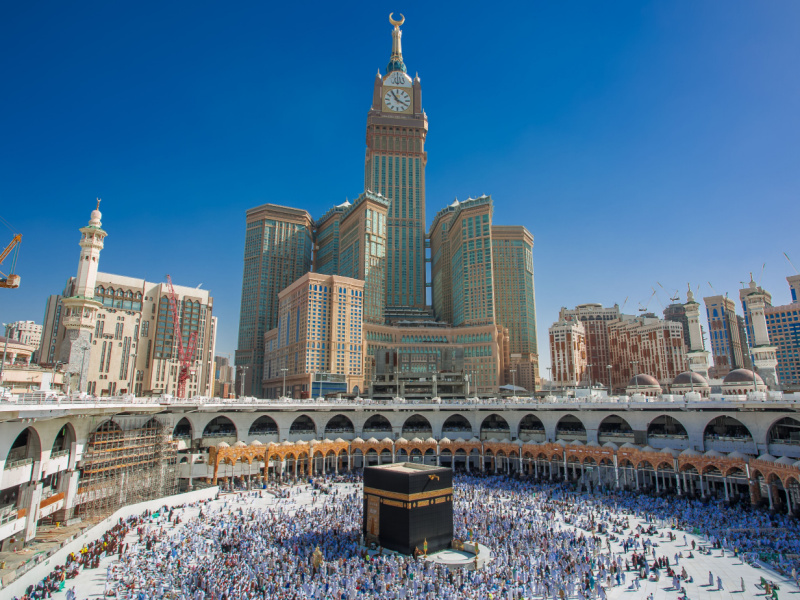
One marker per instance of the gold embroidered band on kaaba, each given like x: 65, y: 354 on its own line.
x: 409, y: 497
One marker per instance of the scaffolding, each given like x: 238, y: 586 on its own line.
x: 128, y: 459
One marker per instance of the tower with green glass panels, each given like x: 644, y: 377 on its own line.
x: 395, y: 168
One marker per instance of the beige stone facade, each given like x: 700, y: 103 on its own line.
x: 568, y: 354
x: 320, y: 328
x: 131, y: 345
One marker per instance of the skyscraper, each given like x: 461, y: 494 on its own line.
x: 362, y: 251
x: 727, y: 335
x: 277, y: 251
x: 515, y: 298
x: 395, y: 168
x: 469, y: 236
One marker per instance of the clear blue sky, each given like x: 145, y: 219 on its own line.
x: 640, y: 142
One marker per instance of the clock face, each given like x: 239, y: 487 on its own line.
x: 397, y: 100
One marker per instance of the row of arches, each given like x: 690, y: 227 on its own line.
x: 662, y: 431
x: 613, y: 428
x: 633, y: 469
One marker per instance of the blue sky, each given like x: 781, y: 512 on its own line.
x: 640, y: 142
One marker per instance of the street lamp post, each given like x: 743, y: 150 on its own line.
x: 514, y: 381
x: 589, y: 373
x: 283, y: 370
x: 550, y: 377
x: 608, y: 367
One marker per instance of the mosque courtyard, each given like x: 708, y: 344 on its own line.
x: 545, y: 540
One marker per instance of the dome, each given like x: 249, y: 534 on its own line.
x: 671, y: 451
x: 743, y: 376
x: 339, y: 441
x: 416, y: 440
x: 797, y: 464
x: 387, y: 440
x: 593, y: 444
x: 767, y: 457
x: 649, y: 449
x: 689, y: 378
x: 784, y: 460
x: 444, y: 440
x: 690, y: 452
x: 256, y: 443
x: 358, y: 440
x: 223, y: 445
x: 373, y: 440
x: 431, y: 440
x: 459, y: 440
x: 628, y: 445
x: 713, y: 454
x: 736, y: 456
x: 576, y: 443
x: 611, y: 445
x: 240, y: 444
x: 643, y: 380
x: 402, y: 440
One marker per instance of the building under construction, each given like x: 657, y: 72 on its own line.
x: 128, y: 459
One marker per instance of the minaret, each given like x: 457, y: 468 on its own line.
x: 765, y: 359
x: 697, y: 355
x: 80, y: 309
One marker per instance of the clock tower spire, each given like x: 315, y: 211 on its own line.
x: 396, y: 60
x: 395, y: 168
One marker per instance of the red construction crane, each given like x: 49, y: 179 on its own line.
x: 11, y: 280
x: 185, y: 353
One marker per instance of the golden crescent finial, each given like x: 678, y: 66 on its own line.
x: 396, y: 23
x: 98, y: 203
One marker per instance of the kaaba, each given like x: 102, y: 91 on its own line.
x: 407, y: 504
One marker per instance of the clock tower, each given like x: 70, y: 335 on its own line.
x: 395, y: 168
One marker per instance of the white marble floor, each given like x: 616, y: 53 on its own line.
x: 90, y: 583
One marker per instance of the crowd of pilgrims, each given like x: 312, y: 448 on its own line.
x: 547, y: 541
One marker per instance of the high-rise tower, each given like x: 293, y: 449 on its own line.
x: 277, y: 251
x: 79, y: 311
x: 395, y: 168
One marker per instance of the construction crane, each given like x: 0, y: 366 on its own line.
x: 11, y: 280
x: 185, y: 352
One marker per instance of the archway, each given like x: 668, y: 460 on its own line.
x: 456, y: 426
x: 338, y: 426
x: 26, y: 449
x: 786, y: 432
x: 495, y: 426
x: 665, y: 431
x: 183, y: 431
x: 63, y: 441
x: 218, y: 429
x: 570, y: 428
x: 727, y: 434
x: 417, y: 426
x: 614, y: 429
x: 303, y: 426
x: 531, y: 429
x: 377, y: 424
x: 264, y: 427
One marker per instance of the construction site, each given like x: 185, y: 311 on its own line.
x: 128, y: 459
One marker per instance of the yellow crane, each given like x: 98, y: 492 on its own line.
x: 11, y: 280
